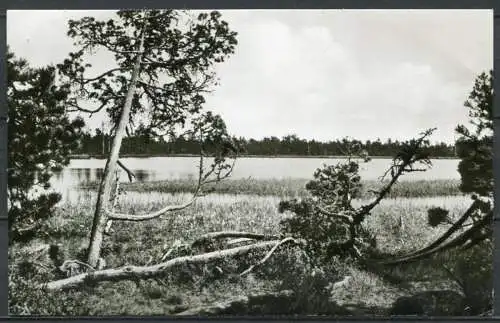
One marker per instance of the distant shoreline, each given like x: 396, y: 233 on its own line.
x: 86, y: 156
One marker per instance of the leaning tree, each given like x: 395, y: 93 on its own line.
x: 474, y: 147
x: 332, y: 226
x: 163, y: 67
x: 40, y: 139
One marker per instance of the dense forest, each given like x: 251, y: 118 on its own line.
x: 142, y: 144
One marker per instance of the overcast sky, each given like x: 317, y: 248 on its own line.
x: 322, y: 74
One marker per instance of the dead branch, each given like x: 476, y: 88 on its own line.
x: 152, y: 215
x: 366, y: 209
x: 232, y: 234
x: 268, y: 255
x: 175, y: 245
x: 202, y: 181
x: 402, y: 163
x: 167, y: 254
x: 130, y: 174
x: 238, y: 241
x: 144, y: 272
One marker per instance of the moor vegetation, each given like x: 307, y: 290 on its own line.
x: 334, y: 248
x: 287, y: 187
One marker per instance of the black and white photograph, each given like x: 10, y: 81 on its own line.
x: 208, y: 163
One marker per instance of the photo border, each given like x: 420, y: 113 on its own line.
x: 237, y: 4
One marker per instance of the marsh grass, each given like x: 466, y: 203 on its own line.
x: 414, y: 233
x: 290, y: 187
x: 143, y: 243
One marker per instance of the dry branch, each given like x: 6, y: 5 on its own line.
x: 232, y: 234
x: 143, y: 272
x: 212, y: 236
x: 202, y: 181
x: 152, y: 215
x: 238, y: 241
x: 268, y: 255
x: 402, y: 163
x: 130, y: 174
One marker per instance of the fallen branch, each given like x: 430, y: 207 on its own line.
x: 214, y: 236
x: 144, y: 272
x: 167, y: 254
x: 232, y: 234
x: 238, y: 241
x: 268, y: 255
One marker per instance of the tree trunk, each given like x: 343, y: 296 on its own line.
x: 100, y: 217
x: 145, y: 272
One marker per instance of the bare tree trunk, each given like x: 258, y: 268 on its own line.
x: 100, y: 216
x: 139, y: 272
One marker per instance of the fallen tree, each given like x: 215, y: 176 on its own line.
x: 144, y: 272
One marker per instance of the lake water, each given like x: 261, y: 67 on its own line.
x: 81, y: 171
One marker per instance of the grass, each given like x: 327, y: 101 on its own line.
x: 250, y: 206
x: 291, y: 187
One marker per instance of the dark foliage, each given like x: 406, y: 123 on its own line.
x: 437, y: 216
x: 97, y: 143
x: 40, y: 139
x: 475, y: 147
x: 175, y: 70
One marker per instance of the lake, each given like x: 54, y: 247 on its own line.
x: 81, y: 171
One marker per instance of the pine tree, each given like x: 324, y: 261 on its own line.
x: 40, y: 138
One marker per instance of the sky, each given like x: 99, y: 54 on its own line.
x: 320, y: 74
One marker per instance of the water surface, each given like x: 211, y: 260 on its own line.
x: 82, y: 171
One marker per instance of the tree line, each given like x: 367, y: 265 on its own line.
x: 141, y: 143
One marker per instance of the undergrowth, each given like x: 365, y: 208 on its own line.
x: 143, y: 243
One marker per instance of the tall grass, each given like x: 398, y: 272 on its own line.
x: 143, y: 243
x: 291, y: 187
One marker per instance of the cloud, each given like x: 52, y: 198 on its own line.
x: 40, y: 35
x: 322, y: 74
x: 285, y: 76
